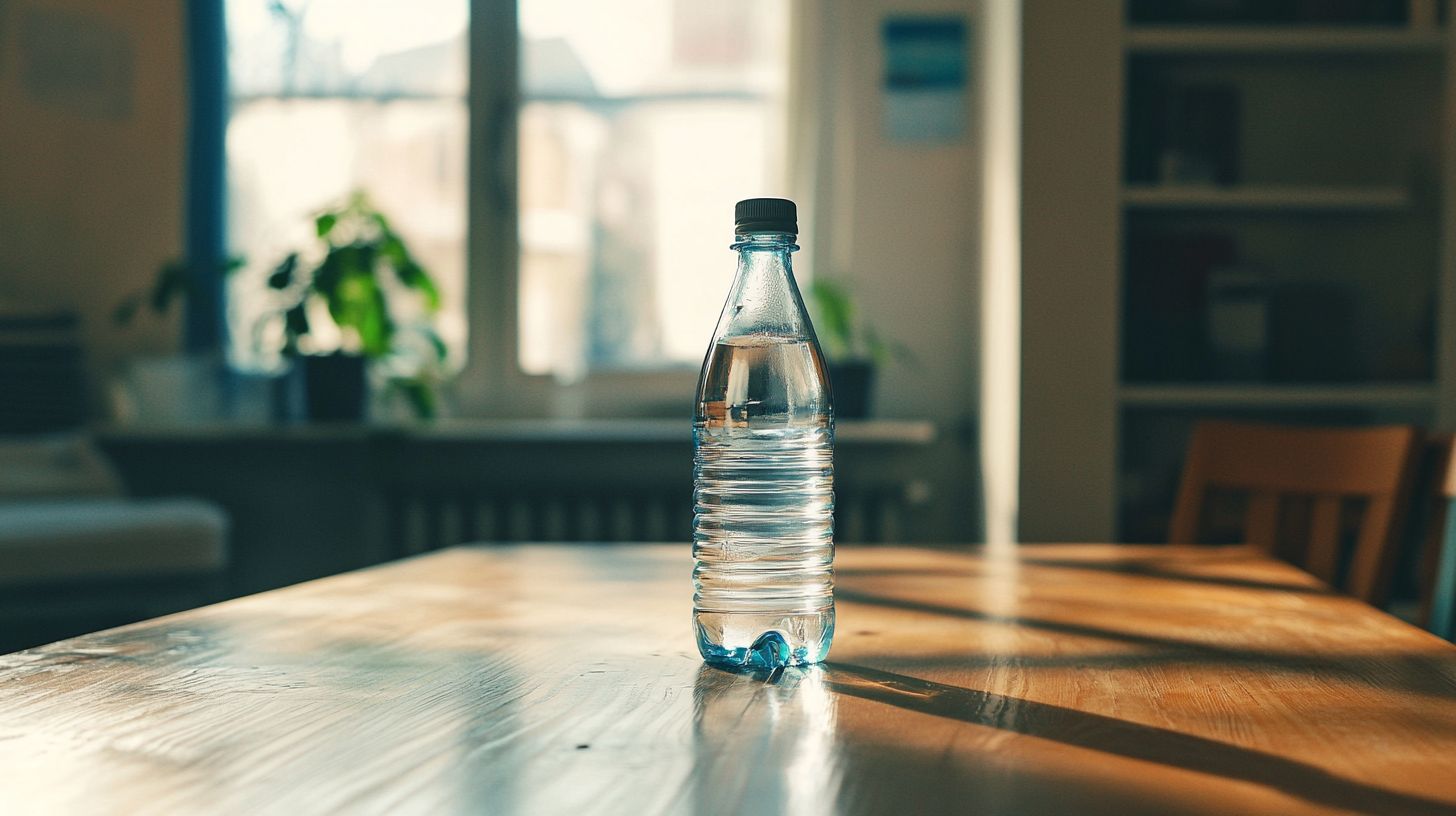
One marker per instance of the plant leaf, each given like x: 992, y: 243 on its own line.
x: 437, y: 343
x: 836, y: 316
x: 875, y: 348
x: 420, y: 396
x: 295, y: 325
x: 415, y: 277
x: 326, y: 277
x: 356, y: 301
x: 376, y: 328
x: 172, y: 280
x: 282, y: 276
x: 382, y: 222
x: 393, y: 250
x: 325, y: 223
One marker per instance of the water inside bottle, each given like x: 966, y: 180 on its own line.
x: 763, y: 533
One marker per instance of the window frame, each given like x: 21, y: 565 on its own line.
x: 205, y: 233
x: 493, y: 382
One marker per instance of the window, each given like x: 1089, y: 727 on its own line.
x: 333, y: 96
x: 642, y: 121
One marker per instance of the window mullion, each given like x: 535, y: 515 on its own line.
x: 493, y: 99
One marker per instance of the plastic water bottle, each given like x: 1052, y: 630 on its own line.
x: 763, y: 468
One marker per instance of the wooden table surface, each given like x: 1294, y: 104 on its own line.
x: 555, y: 679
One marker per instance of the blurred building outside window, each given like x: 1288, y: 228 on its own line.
x: 641, y: 122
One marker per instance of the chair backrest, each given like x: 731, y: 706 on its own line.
x: 1438, y: 561
x: 1326, y: 465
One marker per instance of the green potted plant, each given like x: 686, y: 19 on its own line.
x: 852, y: 348
x: 367, y: 306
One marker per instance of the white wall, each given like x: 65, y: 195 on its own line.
x: 901, y: 224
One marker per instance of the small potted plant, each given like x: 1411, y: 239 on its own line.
x: 853, y: 349
x: 367, y: 304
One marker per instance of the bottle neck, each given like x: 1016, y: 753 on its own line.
x: 764, y: 298
x: 765, y: 242
x: 765, y: 254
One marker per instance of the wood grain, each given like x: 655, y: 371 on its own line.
x: 556, y: 679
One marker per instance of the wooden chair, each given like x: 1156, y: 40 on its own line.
x: 1328, y: 466
x: 1438, y: 560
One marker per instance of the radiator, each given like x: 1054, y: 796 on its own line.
x: 422, y: 520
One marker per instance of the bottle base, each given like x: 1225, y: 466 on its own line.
x: 763, y: 640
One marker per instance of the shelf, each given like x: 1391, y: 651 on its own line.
x: 1266, y: 197
x: 1290, y: 40
x: 1257, y: 395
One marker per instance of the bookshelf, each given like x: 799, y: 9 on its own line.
x: 1278, y: 195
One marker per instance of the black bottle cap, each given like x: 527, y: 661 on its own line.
x: 765, y: 215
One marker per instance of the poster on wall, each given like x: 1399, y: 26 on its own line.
x: 924, y: 92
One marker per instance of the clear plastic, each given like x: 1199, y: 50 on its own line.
x: 763, y: 468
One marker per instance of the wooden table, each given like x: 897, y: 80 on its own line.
x: 555, y: 679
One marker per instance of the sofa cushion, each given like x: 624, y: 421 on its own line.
x: 87, y: 539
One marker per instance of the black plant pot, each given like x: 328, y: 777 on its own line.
x: 334, y: 387
x: 852, y: 382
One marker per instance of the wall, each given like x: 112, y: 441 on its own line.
x: 901, y: 224
x: 1071, y: 117
x: 92, y: 119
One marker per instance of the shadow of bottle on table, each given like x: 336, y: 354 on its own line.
x: 1122, y: 738
x: 1417, y: 673
x: 818, y: 740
